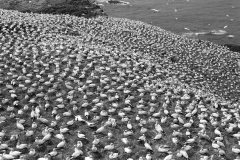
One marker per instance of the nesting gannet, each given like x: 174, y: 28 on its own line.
x: 109, y: 147
x: 77, y: 152
x: 19, y: 125
x: 53, y: 153
x: 235, y: 150
x: 163, y: 149
x: 61, y: 144
x: 113, y: 155
x: 7, y: 156
x: 14, y: 153
x: 168, y: 157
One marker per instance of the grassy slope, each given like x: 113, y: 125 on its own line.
x: 73, y: 7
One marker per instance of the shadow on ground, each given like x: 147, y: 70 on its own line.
x: 233, y: 47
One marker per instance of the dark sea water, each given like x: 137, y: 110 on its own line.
x: 198, y: 17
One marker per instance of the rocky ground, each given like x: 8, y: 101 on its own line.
x: 83, y: 8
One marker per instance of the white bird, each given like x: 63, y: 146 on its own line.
x: 47, y: 137
x: 184, y: 153
x: 148, y: 157
x: 77, y: 152
x: 163, y: 149
x: 59, y: 136
x: 236, y: 150
x: 221, y: 152
x: 44, y: 158
x: 80, y: 135
x: 175, y: 140
x: 180, y: 120
x: 236, y: 135
x: 127, y: 150
x: 79, y: 118
x: 61, y: 144
x: 101, y: 129
x: 113, y: 155
x: 53, y: 153
x: 7, y: 156
x: 63, y: 130
x: 125, y: 140
x: 155, y: 10
x: 3, y: 146
x: 220, y: 143
x: 168, y: 157
x: 215, y: 145
x: 147, y: 146
x: 109, y: 147
x: 127, y: 133
x: 225, y: 26
x: 89, y: 158
x: 21, y: 146
x: 96, y: 140
x: 14, y: 153
x: 203, y: 150
x: 188, y: 133
x: 158, y: 127
x: 217, y: 132
x: 32, y: 152
x: 19, y: 125
x: 129, y: 125
x: 158, y: 136
x: 192, y: 140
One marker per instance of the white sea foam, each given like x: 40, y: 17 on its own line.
x: 102, y: 1
x: 212, y: 32
x: 124, y: 3
x: 218, y: 32
x: 231, y: 36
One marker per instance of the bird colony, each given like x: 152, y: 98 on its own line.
x: 111, y: 88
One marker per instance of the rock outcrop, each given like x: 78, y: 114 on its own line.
x: 84, y: 8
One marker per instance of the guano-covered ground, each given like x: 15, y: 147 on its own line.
x: 111, y: 88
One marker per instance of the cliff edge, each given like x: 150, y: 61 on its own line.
x: 84, y: 8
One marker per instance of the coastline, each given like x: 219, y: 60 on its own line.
x: 84, y: 8
x: 164, y: 15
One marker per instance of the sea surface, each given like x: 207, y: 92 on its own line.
x: 217, y: 21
